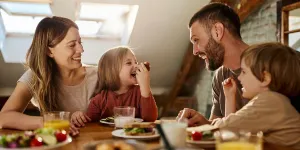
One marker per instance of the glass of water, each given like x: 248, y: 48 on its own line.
x: 123, y: 115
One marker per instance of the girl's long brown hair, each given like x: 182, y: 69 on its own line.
x: 109, y: 68
x: 49, y: 32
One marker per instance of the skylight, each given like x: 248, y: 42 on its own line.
x: 88, y: 28
x: 28, y: 14
x: 113, y: 18
x: 26, y: 8
x: 102, y: 11
x: 12, y: 23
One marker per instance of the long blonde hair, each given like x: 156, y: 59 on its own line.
x: 109, y: 66
x: 49, y: 32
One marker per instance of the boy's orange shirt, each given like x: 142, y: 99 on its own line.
x: 102, y: 105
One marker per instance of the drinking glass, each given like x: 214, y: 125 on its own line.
x: 175, y: 132
x: 57, y: 120
x: 229, y: 139
x: 123, y: 115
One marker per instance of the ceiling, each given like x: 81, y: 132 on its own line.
x: 159, y: 35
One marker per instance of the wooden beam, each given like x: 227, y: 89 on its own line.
x: 284, y: 27
x: 291, y: 6
x: 242, y: 7
x: 180, y: 79
x: 279, y: 19
x: 292, y: 31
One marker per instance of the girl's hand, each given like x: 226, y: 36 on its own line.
x: 79, y: 118
x: 229, y: 87
x: 143, y: 79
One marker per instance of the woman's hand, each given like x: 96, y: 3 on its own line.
x: 143, y: 79
x: 79, y: 119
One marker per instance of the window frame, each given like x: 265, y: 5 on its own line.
x: 283, y: 9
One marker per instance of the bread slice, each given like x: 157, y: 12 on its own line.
x: 140, y: 134
x: 139, y: 129
x: 201, y: 128
x: 139, y: 125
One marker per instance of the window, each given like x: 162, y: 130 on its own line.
x: 28, y: 14
x: 104, y: 20
x: 289, y: 16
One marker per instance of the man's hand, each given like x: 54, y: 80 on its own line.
x: 194, y: 117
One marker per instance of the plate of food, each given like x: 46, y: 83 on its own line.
x: 40, y: 139
x: 138, y: 131
x: 201, y: 135
x: 111, y: 120
x: 114, y: 144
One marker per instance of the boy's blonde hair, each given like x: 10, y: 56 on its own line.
x: 109, y: 67
x: 281, y: 61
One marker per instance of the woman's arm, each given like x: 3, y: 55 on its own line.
x: 11, y: 115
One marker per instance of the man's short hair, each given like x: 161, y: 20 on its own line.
x: 218, y: 12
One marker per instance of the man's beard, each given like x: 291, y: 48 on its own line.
x: 215, y: 54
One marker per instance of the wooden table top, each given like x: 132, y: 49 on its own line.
x: 96, y: 131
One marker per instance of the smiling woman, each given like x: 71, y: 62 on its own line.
x: 55, y: 80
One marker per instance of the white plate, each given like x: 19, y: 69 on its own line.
x: 202, y: 144
x: 120, y: 133
x: 112, y: 123
x: 67, y: 141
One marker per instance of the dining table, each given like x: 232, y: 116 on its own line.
x: 93, y: 132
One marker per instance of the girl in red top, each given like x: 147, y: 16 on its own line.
x: 122, y: 82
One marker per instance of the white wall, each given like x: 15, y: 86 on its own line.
x: 15, y: 48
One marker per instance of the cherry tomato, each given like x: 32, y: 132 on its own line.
x: 35, y: 142
x: 196, y: 136
x: 61, y: 136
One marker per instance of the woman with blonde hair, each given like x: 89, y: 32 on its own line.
x: 55, y: 80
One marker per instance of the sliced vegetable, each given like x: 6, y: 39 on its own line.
x: 61, y: 136
x: 36, y: 142
x: 196, y: 136
x: 48, y: 139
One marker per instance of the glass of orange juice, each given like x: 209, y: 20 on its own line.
x: 57, y: 120
x: 234, y: 139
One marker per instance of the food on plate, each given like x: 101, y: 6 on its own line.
x: 108, y: 119
x: 201, y: 133
x: 147, y: 65
x: 118, y: 145
x: 39, y: 137
x: 112, y: 120
x: 139, y: 129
